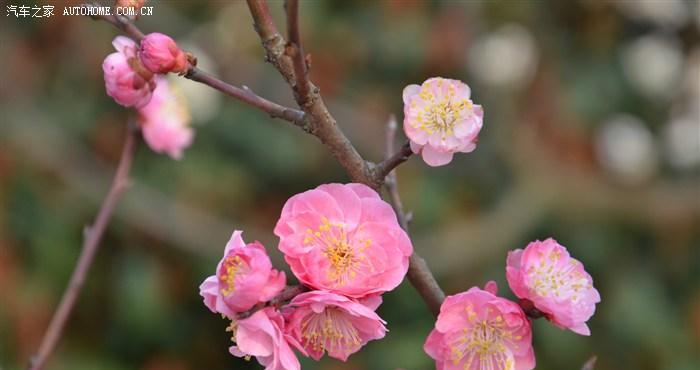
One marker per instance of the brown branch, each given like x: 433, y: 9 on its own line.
x: 247, y: 96
x: 243, y: 94
x: 91, y: 243
x: 418, y: 271
x: 296, y: 52
x: 323, y: 125
x: 284, y: 297
x: 385, y: 168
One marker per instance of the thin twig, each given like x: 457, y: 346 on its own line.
x: 193, y: 73
x: 295, y: 51
x: 91, y: 243
x: 384, y: 168
x: 418, y: 271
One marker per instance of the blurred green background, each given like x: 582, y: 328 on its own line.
x: 591, y: 135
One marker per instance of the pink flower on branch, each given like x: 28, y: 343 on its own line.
x: 343, y: 239
x: 160, y: 54
x: 126, y: 80
x: 262, y: 335
x: 165, y: 121
x: 244, y: 277
x: 554, y: 282
x: 476, y: 330
x: 324, y: 322
x: 440, y: 119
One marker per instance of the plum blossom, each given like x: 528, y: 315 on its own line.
x: 160, y: 54
x: 244, y: 277
x: 126, y: 80
x: 476, y: 330
x: 554, y: 282
x: 262, y: 335
x: 324, y: 322
x: 344, y: 239
x: 440, y: 119
x: 165, y: 121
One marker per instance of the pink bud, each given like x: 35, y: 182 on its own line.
x: 160, y: 54
x: 554, y: 282
x: 125, y: 79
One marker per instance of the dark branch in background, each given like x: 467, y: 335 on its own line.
x: 279, y: 300
x: 295, y: 51
x: 92, y: 237
x: 418, y: 271
x: 244, y: 94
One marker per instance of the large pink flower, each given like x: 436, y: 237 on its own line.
x: 126, y: 81
x: 160, y: 54
x: 262, y: 335
x: 476, y: 330
x: 165, y: 121
x: 324, y: 322
x: 554, y: 282
x: 343, y: 239
x: 440, y: 119
x: 244, y: 278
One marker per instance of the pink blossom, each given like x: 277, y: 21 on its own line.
x: 324, y: 322
x: 126, y: 81
x: 476, y: 330
x: 554, y: 282
x: 244, y: 278
x: 165, y: 121
x: 343, y: 239
x: 440, y: 119
x: 160, y: 54
x: 262, y: 335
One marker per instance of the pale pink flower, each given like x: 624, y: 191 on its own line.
x: 262, y: 335
x: 343, y: 239
x: 126, y: 81
x: 554, y: 282
x: 440, y: 119
x: 324, y: 322
x: 476, y: 330
x: 160, y: 54
x: 165, y: 121
x: 244, y: 277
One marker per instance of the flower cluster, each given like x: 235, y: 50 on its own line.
x: 478, y: 330
x: 134, y: 78
x: 345, y: 245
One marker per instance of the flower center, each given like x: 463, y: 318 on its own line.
x: 329, y: 331
x: 440, y: 114
x: 232, y: 266
x: 484, y: 342
x: 549, y: 277
x: 345, y: 255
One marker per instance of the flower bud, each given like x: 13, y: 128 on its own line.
x: 160, y: 54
